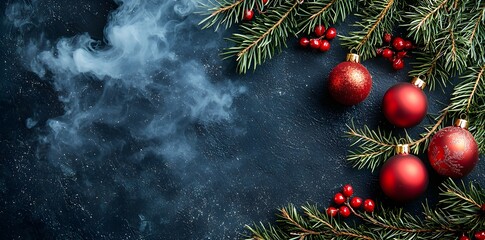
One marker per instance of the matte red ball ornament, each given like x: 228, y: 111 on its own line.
x: 403, y: 177
x: 453, y: 152
x: 350, y: 82
x: 405, y: 104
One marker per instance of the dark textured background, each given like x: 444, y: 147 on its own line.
x: 175, y: 146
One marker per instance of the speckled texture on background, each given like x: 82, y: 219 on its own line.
x: 153, y: 136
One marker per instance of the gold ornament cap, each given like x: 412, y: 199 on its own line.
x: 402, y: 149
x: 352, y: 57
x: 461, y: 123
x: 418, y: 82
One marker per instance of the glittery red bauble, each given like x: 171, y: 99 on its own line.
x: 404, y: 105
x: 403, y: 177
x: 349, y: 83
x: 453, y: 152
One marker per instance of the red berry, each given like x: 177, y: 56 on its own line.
x: 339, y: 198
x: 265, y: 1
x: 325, y: 46
x: 387, y: 53
x: 332, y: 212
x: 344, y: 211
x: 331, y: 33
x: 369, y: 205
x: 379, y: 51
x: 480, y: 235
x: 398, y: 43
x: 408, y: 45
x: 304, y: 42
x: 319, y: 30
x: 397, y: 64
x: 356, y: 202
x: 402, y: 54
x: 315, y: 43
x: 348, y: 190
x: 483, y: 208
x: 387, y: 37
x: 248, y: 15
x: 464, y: 238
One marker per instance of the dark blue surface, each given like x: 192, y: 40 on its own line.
x: 145, y: 133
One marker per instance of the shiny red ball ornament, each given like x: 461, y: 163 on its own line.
x: 319, y: 30
x: 453, y: 152
x: 339, y: 199
x: 332, y: 212
x: 331, y: 33
x: 403, y: 177
x: 348, y: 190
x: 248, y: 15
x: 349, y: 82
x: 369, y: 205
x: 344, y: 211
x: 356, y: 202
x: 480, y: 235
x: 398, y: 43
x: 315, y: 43
x: 304, y: 42
x: 405, y: 104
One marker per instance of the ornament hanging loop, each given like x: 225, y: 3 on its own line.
x: 461, y: 123
x: 419, y: 82
x: 402, y: 149
x: 352, y: 57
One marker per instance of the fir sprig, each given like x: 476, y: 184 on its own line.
x: 324, y: 12
x: 379, y: 17
x: 263, y: 38
x: 225, y: 12
x: 457, y: 213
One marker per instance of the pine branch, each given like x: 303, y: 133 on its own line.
x: 225, y: 12
x: 458, y: 212
x: 377, y: 18
x: 264, y: 37
x: 324, y: 12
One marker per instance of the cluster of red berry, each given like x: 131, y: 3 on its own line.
x: 397, y: 48
x: 355, y: 203
x: 478, y: 236
x: 321, y: 40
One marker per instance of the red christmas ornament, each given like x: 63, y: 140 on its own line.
x: 348, y: 190
x: 453, y: 152
x: 331, y: 33
x: 405, y: 104
x: 356, y: 202
x: 332, y: 212
x: 248, y: 15
x: 404, y: 176
x: 369, y: 205
x: 344, y: 211
x: 350, y: 82
x: 319, y: 30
